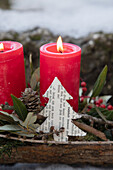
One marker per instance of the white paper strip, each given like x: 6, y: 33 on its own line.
x: 59, y: 113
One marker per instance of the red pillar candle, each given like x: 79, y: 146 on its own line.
x: 12, y: 72
x: 65, y: 66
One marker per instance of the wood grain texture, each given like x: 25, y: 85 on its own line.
x: 94, y: 153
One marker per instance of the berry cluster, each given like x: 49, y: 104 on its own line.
x: 84, y: 90
x: 98, y: 103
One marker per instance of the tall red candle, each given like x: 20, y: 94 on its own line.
x: 12, y: 72
x: 65, y: 66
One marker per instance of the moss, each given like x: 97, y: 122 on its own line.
x: 6, y: 146
x: 35, y: 37
x: 15, y: 36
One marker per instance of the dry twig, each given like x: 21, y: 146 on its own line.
x: 97, y: 120
x: 90, y: 129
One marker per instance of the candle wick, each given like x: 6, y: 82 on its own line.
x: 60, y: 51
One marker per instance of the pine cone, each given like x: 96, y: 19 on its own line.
x: 31, y: 99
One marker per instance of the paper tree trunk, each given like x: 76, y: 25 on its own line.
x: 59, y: 113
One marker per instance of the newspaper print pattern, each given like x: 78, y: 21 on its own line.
x: 59, y: 113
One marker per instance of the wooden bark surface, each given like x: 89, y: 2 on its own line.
x: 94, y: 153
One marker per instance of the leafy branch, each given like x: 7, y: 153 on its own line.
x: 94, y: 110
x: 99, y: 83
x: 24, y: 123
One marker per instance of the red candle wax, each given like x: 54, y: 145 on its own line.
x: 65, y: 66
x: 12, y: 72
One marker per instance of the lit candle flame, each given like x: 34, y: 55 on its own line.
x: 1, y: 47
x: 59, y: 45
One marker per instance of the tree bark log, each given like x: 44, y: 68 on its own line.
x: 94, y: 153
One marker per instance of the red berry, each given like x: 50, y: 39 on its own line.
x: 97, y: 102
x: 110, y: 107
x: 84, y: 89
x: 103, y: 106
x: 100, y: 101
x: 82, y: 99
x: 97, y: 105
x: 90, y: 107
x: 83, y: 84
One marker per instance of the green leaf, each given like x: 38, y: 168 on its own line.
x: 30, y: 120
x: 34, y: 126
x: 24, y: 134
x: 10, y: 128
x: 99, y: 83
x: 19, y: 107
x: 9, y: 118
x: 15, y: 129
x: 31, y: 63
x: 35, y: 78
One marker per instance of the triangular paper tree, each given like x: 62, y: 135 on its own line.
x: 59, y: 113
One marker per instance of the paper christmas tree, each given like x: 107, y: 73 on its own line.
x: 59, y: 113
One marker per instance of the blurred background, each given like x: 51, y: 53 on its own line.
x: 65, y: 17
